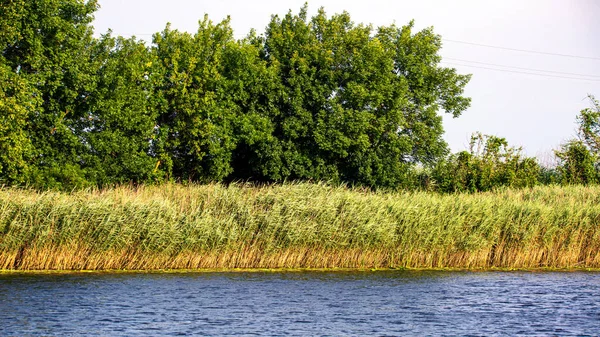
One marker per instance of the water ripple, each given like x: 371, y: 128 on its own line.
x: 300, y: 304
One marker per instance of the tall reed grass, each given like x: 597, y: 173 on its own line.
x: 297, y: 226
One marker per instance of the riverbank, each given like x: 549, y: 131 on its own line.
x: 15, y: 272
x: 297, y: 226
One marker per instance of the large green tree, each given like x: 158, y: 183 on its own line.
x: 354, y: 104
x: 45, y: 43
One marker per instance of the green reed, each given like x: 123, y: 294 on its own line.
x: 297, y: 225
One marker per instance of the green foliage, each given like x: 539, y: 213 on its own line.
x: 252, y: 89
x: 549, y: 175
x: 196, y: 117
x: 297, y: 225
x: 353, y: 105
x: 589, y: 126
x: 318, y: 98
x: 46, y: 43
x: 18, y: 100
x: 489, y: 163
x: 80, y: 111
x: 578, y: 164
x: 580, y: 159
x: 118, y: 128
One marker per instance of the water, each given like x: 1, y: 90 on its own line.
x: 301, y: 304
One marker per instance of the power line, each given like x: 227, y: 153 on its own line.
x: 524, y: 72
x: 531, y: 69
x: 474, y: 44
x: 523, y: 50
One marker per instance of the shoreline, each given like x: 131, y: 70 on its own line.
x: 298, y: 270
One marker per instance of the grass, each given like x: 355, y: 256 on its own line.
x: 297, y: 226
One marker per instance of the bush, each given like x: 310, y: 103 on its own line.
x: 489, y: 163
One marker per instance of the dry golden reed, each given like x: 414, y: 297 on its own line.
x: 297, y: 226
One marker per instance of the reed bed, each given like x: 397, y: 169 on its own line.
x: 297, y: 226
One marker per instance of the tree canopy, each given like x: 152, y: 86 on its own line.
x: 354, y: 103
x: 319, y: 98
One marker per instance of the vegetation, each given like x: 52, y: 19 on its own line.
x: 313, y: 99
x: 489, y: 163
x: 320, y: 99
x: 297, y: 225
x: 580, y: 158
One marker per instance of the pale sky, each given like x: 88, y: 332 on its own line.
x: 532, y: 111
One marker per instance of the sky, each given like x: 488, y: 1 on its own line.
x: 521, y: 89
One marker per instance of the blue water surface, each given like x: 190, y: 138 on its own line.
x: 390, y: 303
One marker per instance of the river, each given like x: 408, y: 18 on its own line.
x: 382, y: 303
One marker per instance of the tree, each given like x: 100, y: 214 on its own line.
x: 490, y: 163
x: 252, y: 90
x: 45, y: 44
x: 580, y: 158
x: 589, y: 126
x: 195, y: 120
x: 314, y: 99
x: 18, y: 99
x: 577, y: 163
x: 117, y: 126
x: 356, y: 105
